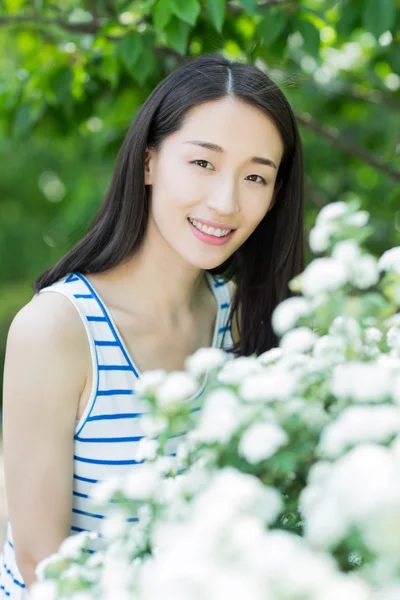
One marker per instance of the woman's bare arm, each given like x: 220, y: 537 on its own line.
x: 45, y: 370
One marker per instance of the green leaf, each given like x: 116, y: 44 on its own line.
x: 177, y: 35
x: 61, y: 83
x: 111, y: 68
x: 272, y: 25
x: 145, y: 67
x: 217, y: 11
x: 186, y: 10
x: 349, y: 19
x: 162, y: 13
x: 250, y: 6
x: 13, y: 6
x: 130, y: 49
x: 379, y: 16
x: 310, y: 35
x: 26, y: 115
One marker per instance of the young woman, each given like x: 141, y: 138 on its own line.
x: 201, y: 230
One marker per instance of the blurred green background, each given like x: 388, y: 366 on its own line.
x: 74, y: 73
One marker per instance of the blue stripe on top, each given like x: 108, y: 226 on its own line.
x: 107, y: 317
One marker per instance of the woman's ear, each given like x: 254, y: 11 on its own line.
x: 148, y: 167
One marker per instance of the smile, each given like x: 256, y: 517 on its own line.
x: 210, y: 230
x: 213, y: 236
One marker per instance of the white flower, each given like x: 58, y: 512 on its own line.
x: 275, y: 384
x: 332, y: 211
x: 319, y: 473
x: 73, y: 571
x: 362, y: 382
x: 220, y: 418
x: 373, y: 335
x: 358, y: 219
x: 366, y: 480
x: 71, y: 547
x: 164, y: 464
x: 102, y: 492
x: 347, y: 327
x: 365, y: 272
x: 116, y: 575
x: 237, y: 493
x: 270, y: 356
x: 301, y: 339
x: 234, y: 370
x: 392, y: 363
x: 205, y: 359
x: 390, y: 260
x: 45, y: 590
x: 149, y: 381
x: 323, y: 275
x: 141, y: 482
x: 319, y: 237
x: 356, y: 492
x: 330, y: 349
x: 347, y: 252
x: 392, y: 321
x: 359, y: 424
x: 389, y: 592
x: 325, y: 524
x: 52, y: 560
x: 396, y: 389
x: 393, y: 338
x: 175, y: 389
x: 153, y: 425
x: 114, y: 525
x: 293, y: 406
x: 81, y: 595
x: 346, y: 587
x: 146, y: 449
x: 292, y: 570
x: 382, y: 532
x: 261, y: 441
x: 288, y: 312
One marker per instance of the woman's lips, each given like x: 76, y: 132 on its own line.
x: 210, y: 239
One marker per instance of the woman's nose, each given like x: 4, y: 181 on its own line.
x: 224, y: 200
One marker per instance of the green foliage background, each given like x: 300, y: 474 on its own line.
x: 73, y: 74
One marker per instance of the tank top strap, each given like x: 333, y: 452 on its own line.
x: 92, y: 313
x: 222, y: 293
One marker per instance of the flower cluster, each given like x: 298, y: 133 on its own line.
x: 285, y: 483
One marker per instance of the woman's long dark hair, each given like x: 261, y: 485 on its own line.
x: 274, y: 253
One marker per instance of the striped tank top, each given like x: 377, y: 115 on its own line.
x: 107, y: 434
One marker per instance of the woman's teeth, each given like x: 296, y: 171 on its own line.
x: 210, y: 230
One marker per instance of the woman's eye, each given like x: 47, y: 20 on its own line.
x: 202, y: 161
x: 263, y: 182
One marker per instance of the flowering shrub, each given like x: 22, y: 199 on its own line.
x: 286, y: 483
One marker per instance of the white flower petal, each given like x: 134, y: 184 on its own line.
x: 288, y: 312
x: 260, y: 441
x: 205, y: 359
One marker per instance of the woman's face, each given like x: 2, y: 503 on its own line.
x: 223, y: 190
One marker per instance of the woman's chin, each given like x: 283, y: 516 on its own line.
x: 206, y: 264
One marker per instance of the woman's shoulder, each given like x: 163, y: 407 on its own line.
x: 47, y: 362
x: 48, y: 322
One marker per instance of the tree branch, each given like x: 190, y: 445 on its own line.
x: 344, y: 143
x: 91, y: 27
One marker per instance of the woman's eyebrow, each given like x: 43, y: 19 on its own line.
x: 255, y: 159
